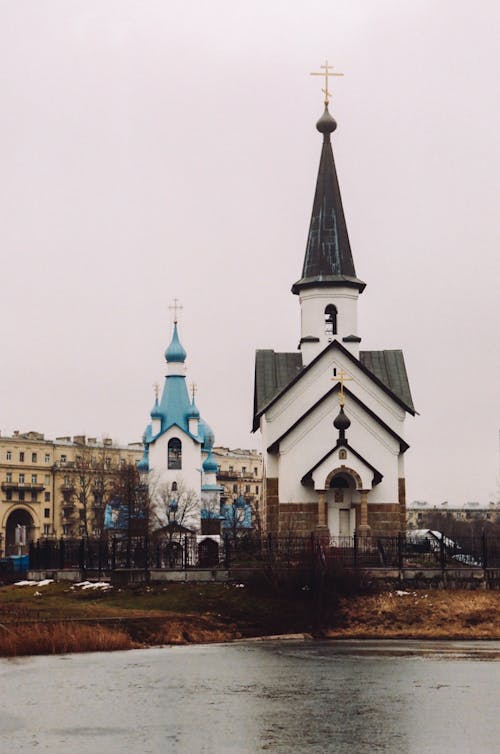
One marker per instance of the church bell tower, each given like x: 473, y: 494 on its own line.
x: 328, y: 289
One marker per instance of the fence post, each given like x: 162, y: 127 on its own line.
x: 146, y: 552
x: 400, y: 551
x: 442, y: 553
x: 485, y: 550
x: 356, y: 545
x: 81, y: 557
x: 129, y: 551
x: 227, y: 559
x: 185, y: 552
x: 113, y: 553
x: 61, y: 553
x: 99, y: 559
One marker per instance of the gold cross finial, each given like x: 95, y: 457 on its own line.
x: 156, y: 388
x: 176, y: 307
x: 194, y: 389
x: 327, y: 70
x: 341, y: 377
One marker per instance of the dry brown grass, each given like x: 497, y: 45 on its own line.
x: 60, y: 638
x: 421, y: 614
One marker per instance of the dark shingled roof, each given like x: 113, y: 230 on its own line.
x: 275, y: 371
x: 389, y: 367
x: 328, y: 258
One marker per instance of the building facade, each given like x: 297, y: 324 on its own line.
x: 56, y: 488
x: 422, y: 515
x: 331, y: 415
x: 239, y: 475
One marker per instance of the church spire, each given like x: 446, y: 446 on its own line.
x: 328, y: 259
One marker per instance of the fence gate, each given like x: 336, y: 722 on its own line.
x: 208, y: 553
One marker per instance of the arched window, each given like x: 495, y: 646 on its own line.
x: 331, y: 320
x: 343, y: 454
x: 174, y: 453
x: 174, y: 486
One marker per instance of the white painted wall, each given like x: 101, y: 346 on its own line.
x: 313, y: 302
x: 191, y: 461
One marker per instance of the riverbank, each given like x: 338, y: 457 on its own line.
x: 52, y: 618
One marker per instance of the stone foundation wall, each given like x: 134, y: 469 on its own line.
x: 402, y: 503
x: 298, y: 519
x: 271, y: 504
x: 384, y: 519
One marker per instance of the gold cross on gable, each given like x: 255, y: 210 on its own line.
x: 341, y: 377
x: 194, y: 389
x: 176, y: 307
x: 327, y: 70
x: 156, y: 388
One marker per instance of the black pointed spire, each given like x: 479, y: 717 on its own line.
x: 328, y: 259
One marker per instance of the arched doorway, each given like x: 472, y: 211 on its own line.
x: 341, y: 491
x: 18, y: 517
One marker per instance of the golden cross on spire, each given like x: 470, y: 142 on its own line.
x: 326, y: 72
x: 176, y: 307
x: 194, y: 389
x: 341, y: 377
x: 156, y: 388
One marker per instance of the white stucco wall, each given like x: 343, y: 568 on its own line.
x: 191, y: 461
x: 313, y: 302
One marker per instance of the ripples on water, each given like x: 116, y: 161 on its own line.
x: 289, y: 696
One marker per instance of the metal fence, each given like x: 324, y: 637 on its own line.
x: 254, y: 551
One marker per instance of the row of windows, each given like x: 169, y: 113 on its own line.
x: 244, y: 470
x: 23, y: 455
x: 21, y: 495
x: 247, y: 488
x: 22, y: 478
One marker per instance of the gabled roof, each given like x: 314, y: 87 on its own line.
x: 403, y: 446
x: 275, y: 373
x: 377, y: 476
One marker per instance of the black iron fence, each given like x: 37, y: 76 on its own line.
x: 253, y: 551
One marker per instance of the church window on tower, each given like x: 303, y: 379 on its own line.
x: 174, y: 486
x: 174, y: 453
x: 343, y: 454
x: 330, y: 320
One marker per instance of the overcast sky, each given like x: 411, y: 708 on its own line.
x: 152, y: 149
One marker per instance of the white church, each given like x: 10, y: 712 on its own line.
x: 331, y: 415
x: 178, y: 460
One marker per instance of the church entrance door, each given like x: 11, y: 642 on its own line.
x: 344, y: 522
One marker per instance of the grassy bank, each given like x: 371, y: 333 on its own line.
x: 58, y: 618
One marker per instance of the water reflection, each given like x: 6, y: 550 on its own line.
x: 309, y: 697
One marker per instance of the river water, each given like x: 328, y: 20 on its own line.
x: 275, y: 696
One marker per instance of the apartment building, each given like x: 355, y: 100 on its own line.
x: 55, y: 488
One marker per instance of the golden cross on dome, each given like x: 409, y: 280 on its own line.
x: 194, y: 389
x: 327, y: 70
x: 341, y: 377
x: 176, y: 307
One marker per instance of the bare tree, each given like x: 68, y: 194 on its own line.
x: 173, y: 503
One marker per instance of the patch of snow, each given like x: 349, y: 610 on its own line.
x: 400, y: 593
x: 44, y: 582
x: 26, y: 583
x: 37, y: 594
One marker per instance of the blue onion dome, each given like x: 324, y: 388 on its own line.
x: 143, y: 464
x: 207, y: 434
x: 341, y: 421
x: 175, y: 352
x: 155, y: 411
x: 326, y: 124
x: 240, y: 502
x: 193, y: 412
x: 209, y: 464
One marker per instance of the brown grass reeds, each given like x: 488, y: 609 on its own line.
x: 430, y: 614
x: 60, y: 638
